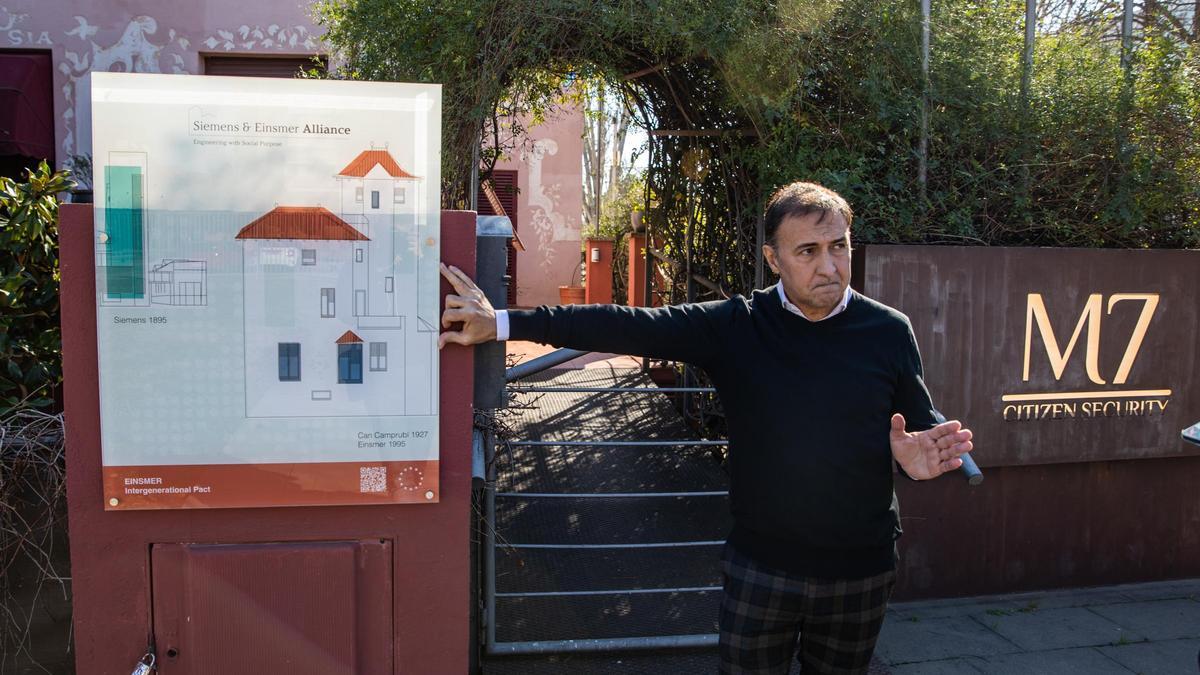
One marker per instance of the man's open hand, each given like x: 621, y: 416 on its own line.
x: 469, y: 306
x: 929, y: 454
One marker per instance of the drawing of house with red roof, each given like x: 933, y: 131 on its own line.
x: 330, y: 301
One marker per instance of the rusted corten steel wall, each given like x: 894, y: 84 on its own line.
x: 1076, y: 369
x: 354, y: 589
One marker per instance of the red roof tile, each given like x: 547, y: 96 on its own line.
x: 349, y: 338
x: 300, y: 222
x: 367, y: 159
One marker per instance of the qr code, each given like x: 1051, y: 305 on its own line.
x: 372, y: 479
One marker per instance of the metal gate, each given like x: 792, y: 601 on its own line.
x: 603, y: 517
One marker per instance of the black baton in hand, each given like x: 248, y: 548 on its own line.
x: 969, y: 468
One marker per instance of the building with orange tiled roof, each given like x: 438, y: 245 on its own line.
x: 367, y: 160
x: 330, y: 312
x: 300, y: 222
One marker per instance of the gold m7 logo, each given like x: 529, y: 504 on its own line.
x: 1093, y: 310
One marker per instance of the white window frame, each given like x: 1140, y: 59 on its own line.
x: 398, y: 195
x: 378, y: 356
x: 328, y: 303
x: 358, y: 194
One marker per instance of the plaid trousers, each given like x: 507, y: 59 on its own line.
x: 764, y: 610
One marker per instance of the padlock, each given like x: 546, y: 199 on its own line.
x: 145, y: 665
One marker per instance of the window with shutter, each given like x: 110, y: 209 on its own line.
x: 504, y: 187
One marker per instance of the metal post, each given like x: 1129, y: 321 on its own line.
x: 1024, y: 120
x: 648, y: 273
x: 1125, y: 102
x: 923, y: 152
x: 1127, y: 71
x: 473, y: 192
x: 493, y: 236
x: 760, y: 239
x: 1127, y: 39
x: 1027, y: 58
x: 489, y: 543
x: 689, y: 284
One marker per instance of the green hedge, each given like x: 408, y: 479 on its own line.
x: 833, y: 93
x: 30, y: 342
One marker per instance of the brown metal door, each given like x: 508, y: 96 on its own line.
x: 303, y: 608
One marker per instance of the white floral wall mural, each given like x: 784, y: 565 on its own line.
x: 257, y: 37
x: 143, y: 44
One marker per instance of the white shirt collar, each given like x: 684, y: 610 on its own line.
x: 841, y: 307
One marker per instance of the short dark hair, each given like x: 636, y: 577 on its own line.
x: 800, y: 199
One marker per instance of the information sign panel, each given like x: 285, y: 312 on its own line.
x: 266, y: 290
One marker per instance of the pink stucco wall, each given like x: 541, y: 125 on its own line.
x: 549, y: 165
x: 148, y: 36
x: 154, y: 36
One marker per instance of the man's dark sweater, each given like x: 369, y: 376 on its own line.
x: 809, y: 408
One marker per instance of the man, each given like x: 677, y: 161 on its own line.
x: 809, y: 373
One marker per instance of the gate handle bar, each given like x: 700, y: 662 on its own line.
x: 969, y: 469
x: 541, y: 363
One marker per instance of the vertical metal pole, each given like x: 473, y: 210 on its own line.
x: 689, y: 286
x: 689, y: 296
x: 489, y: 542
x: 1023, y: 121
x: 1125, y: 102
x: 760, y: 239
x: 493, y: 236
x: 923, y: 152
x: 1127, y: 40
x: 648, y: 222
x: 473, y: 193
x: 1027, y: 58
x: 648, y: 228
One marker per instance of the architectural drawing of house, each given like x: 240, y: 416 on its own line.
x: 330, y: 307
x: 180, y: 283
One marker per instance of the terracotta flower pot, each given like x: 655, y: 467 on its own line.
x: 571, y: 295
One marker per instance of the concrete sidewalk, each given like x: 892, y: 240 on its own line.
x: 1151, y: 628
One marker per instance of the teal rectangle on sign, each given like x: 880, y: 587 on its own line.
x: 124, y: 218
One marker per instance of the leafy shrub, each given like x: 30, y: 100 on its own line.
x: 30, y: 342
x: 771, y: 91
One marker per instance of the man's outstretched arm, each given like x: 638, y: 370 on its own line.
x: 682, y: 333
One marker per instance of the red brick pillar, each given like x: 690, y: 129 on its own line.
x: 636, y: 277
x: 598, y: 256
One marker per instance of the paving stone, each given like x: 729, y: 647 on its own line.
x: 1164, y: 657
x: 946, y: 667
x: 940, y: 610
x: 1083, y: 597
x: 1055, y: 598
x: 1162, y: 590
x: 1157, y: 620
x: 938, y: 639
x: 1044, y: 629
x: 1079, y: 661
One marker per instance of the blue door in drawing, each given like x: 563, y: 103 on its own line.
x: 350, y: 363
